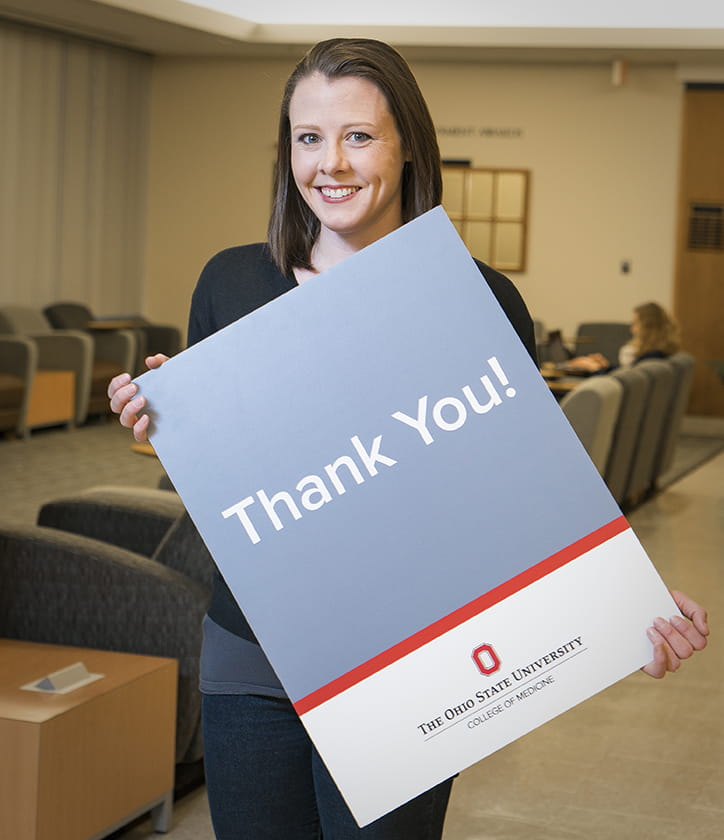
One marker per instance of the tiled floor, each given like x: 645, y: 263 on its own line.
x: 643, y: 760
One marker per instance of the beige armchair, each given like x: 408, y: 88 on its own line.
x: 150, y: 337
x: 66, y: 351
x: 93, y: 364
x: 18, y: 361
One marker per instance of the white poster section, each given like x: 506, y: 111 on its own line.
x: 427, y: 555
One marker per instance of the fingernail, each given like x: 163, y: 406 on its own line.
x: 651, y: 633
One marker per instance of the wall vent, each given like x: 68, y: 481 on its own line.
x: 706, y: 227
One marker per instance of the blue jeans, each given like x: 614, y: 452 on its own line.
x: 265, y: 780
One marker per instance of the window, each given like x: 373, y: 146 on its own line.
x: 489, y: 208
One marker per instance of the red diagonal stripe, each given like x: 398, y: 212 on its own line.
x: 461, y: 615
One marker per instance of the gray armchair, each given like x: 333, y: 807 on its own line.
x: 67, y: 588
x: 592, y: 409
x: 604, y: 337
x: 114, y: 351
x: 18, y: 362
x: 95, y: 360
x: 150, y: 337
x: 134, y: 518
x: 634, y: 398
x: 661, y: 386
x: 65, y: 350
x: 682, y: 364
x: 156, y: 338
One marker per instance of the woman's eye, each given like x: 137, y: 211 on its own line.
x: 359, y: 137
x: 308, y: 139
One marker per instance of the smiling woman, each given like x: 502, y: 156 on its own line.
x: 357, y: 158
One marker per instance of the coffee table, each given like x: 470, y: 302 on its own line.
x: 78, y: 766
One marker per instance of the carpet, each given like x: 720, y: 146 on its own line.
x: 56, y: 462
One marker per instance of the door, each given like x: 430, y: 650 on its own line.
x: 699, y: 279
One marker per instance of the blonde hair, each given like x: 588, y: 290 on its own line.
x: 658, y: 330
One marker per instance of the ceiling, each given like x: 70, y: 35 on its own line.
x: 176, y: 28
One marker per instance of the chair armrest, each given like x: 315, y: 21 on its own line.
x: 18, y: 356
x: 183, y: 549
x: 63, y: 349
x: 117, y: 346
x: 133, y: 518
x: 67, y: 589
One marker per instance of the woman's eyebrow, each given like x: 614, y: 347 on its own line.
x: 351, y: 124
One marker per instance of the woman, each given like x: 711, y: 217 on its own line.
x: 357, y: 157
x: 654, y: 335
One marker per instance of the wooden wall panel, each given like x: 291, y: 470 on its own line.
x: 699, y: 282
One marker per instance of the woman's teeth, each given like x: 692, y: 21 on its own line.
x: 338, y: 192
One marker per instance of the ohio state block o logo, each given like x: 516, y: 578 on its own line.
x: 486, y: 659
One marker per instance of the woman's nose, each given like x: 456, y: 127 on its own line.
x: 333, y: 159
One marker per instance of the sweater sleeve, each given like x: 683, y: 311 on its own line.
x: 512, y: 304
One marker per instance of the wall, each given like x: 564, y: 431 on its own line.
x: 603, y: 161
x: 213, y: 140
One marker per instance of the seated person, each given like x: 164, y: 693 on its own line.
x: 654, y: 335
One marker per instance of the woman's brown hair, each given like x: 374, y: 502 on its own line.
x: 658, y: 330
x: 293, y: 228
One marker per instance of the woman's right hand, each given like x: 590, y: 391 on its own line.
x: 127, y: 402
x: 591, y: 363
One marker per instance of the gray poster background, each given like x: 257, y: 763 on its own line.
x: 278, y: 395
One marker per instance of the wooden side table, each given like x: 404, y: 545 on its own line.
x: 80, y: 765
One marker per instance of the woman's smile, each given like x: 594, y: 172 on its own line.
x: 337, y: 193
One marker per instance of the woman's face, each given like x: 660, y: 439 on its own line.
x: 347, y: 159
x: 635, y: 325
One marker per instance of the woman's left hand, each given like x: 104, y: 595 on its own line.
x: 677, y: 638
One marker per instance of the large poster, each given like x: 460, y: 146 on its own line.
x: 422, y: 546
